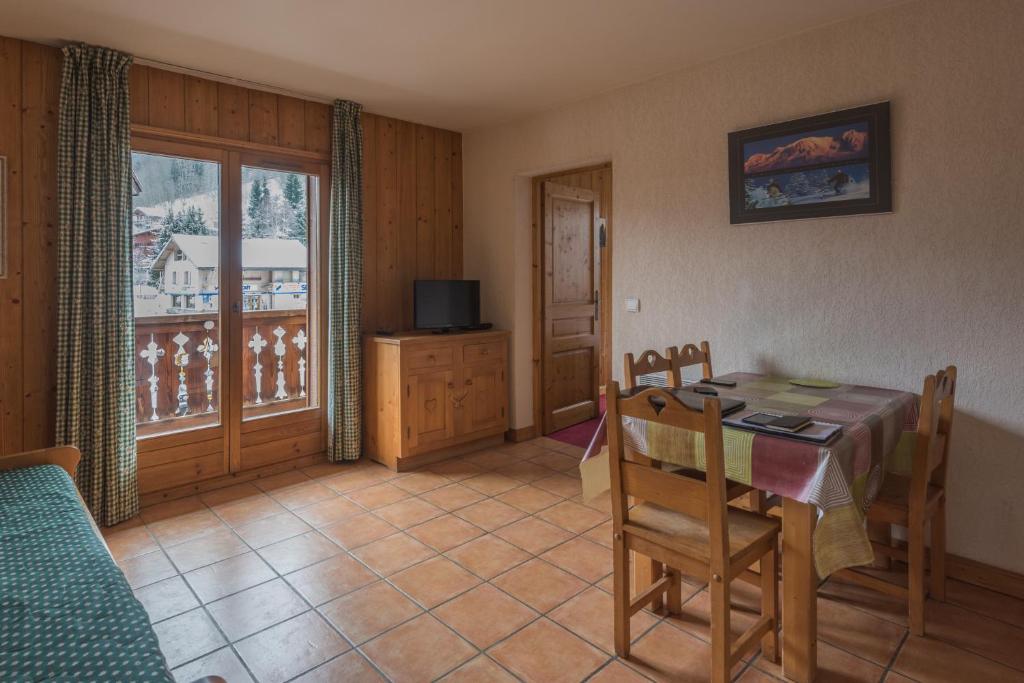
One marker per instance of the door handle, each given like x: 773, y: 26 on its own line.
x: 236, y: 307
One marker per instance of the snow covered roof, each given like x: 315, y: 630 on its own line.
x: 257, y: 254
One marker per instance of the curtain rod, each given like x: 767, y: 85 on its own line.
x: 142, y: 61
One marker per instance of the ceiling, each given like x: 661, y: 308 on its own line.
x: 458, y: 64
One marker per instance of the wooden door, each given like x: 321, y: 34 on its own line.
x: 431, y: 412
x: 571, y: 294
x: 483, y: 397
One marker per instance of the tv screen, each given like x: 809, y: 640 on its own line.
x: 440, y: 304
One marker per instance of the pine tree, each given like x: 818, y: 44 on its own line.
x: 295, y: 196
x: 258, y: 211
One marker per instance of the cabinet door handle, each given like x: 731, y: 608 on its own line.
x: 431, y: 358
x: 451, y: 385
x: 469, y: 382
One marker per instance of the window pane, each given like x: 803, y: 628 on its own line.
x: 277, y: 355
x: 176, y: 288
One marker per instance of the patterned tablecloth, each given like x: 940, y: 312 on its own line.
x: 841, y: 478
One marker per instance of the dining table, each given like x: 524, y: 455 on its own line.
x: 825, y: 488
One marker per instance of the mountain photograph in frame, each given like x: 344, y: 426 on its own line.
x: 834, y: 164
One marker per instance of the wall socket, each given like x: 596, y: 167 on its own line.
x: 632, y: 304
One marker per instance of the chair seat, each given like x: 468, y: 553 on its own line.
x: 689, y: 536
x: 893, y: 502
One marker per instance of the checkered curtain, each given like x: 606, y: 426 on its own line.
x: 344, y: 379
x: 95, y: 325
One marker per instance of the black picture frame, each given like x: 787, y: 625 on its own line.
x: 784, y: 171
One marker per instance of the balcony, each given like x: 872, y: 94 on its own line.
x: 178, y: 368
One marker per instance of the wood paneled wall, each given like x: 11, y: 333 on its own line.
x: 412, y: 205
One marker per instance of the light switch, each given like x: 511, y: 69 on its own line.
x: 632, y: 304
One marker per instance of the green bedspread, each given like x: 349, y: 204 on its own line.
x: 66, y: 611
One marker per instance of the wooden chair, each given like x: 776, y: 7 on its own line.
x: 688, y: 355
x: 650, y: 363
x: 687, y: 525
x: 915, y: 501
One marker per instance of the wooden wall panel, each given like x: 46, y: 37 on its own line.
x: 412, y: 206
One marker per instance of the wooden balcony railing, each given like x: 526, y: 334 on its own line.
x: 178, y: 365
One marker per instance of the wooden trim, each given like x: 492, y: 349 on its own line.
x: 521, y: 434
x: 985, y: 575
x: 154, y: 132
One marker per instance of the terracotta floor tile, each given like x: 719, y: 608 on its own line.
x: 207, y: 549
x: 855, y: 631
x: 359, y: 530
x: 492, y: 460
x: 479, y: 670
x: 328, y: 511
x: 172, y: 508
x: 432, y: 582
x: 298, y: 552
x: 544, y: 651
x: 617, y: 672
x: 167, y: 598
x: 290, y: 648
x: 533, y: 535
x: 976, y: 633
x: 539, y: 585
x: 602, y: 502
x: 601, y: 534
x: 529, y: 499
x: 455, y: 469
x: 354, y: 480
x: 409, y: 512
x: 696, y: 616
x: 223, y: 663
x: 560, y: 485
x: 366, y: 613
x: 373, y: 497
x: 420, y: 482
x: 490, y: 514
x: 444, y: 533
x: 572, y: 516
x: 874, y: 602
x: 525, y: 471
x: 281, y: 481
x: 326, y: 580
x: 230, y: 494
x: 187, y: 636
x: 392, y: 554
x: 671, y: 655
x: 452, y: 497
x: 256, y: 608
x: 325, y: 470
x: 752, y: 675
x: 146, y: 569
x: 130, y: 542
x: 589, y: 615
x: 270, y: 530
x: 175, y: 530
x: 351, y: 667
x: 927, y: 659
x: 229, y: 576
x: 488, y: 556
x: 837, y: 666
x: 418, y: 650
x: 302, y: 495
x: 990, y: 603
x: 249, y: 509
x: 484, y: 615
x: 584, y: 558
x: 556, y: 461
x: 491, y: 483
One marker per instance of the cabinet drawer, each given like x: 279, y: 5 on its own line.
x: 473, y: 353
x: 430, y: 358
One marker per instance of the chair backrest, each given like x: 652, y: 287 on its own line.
x: 648, y: 363
x: 934, y: 429
x: 690, y: 354
x: 703, y: 500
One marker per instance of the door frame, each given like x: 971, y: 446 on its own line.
x: 605, y: 306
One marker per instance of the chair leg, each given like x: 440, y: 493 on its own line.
x: 721, y: 634
x: 621, y: 583
x: 938, y: 552
x: 881, y: 532
x: 770, y: 603
x: 915, y: 571
x: 674, y: 603
x: 758, y: 501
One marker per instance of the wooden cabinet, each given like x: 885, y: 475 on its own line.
x: 431, y: 396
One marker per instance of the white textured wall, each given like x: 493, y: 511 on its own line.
x: 878, y: 300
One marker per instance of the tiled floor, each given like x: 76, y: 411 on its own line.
x: 483, y: 568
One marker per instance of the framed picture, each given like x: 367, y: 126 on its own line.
x: 3, y: 217
x: 834, y: 164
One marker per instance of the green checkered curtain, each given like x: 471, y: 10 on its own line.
x: 344, y: 377
x: 95, y: 325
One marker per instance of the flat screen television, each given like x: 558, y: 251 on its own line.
x: 446, y: 304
